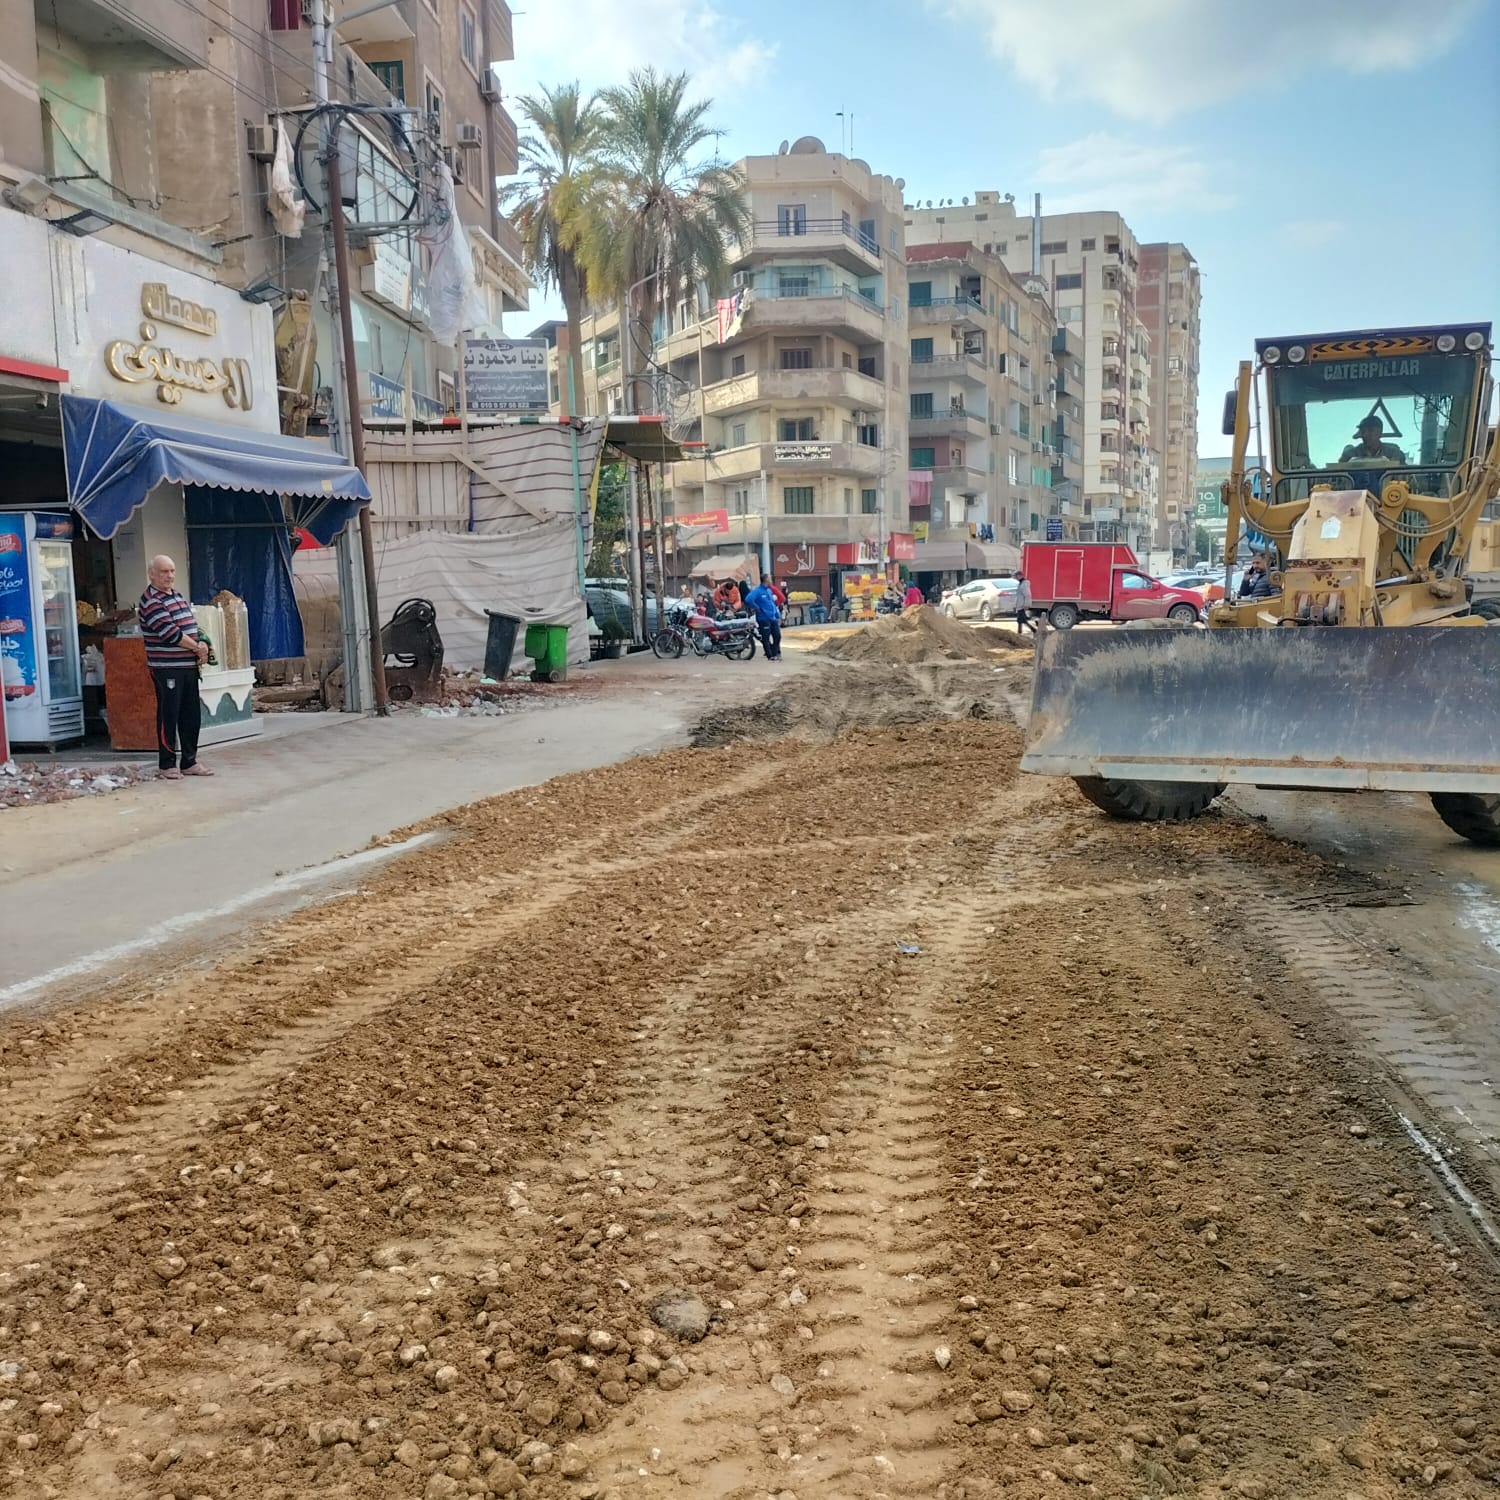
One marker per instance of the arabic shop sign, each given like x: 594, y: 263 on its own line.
x: 152, y: 360
x: 506, y: 375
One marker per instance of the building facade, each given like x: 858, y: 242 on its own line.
x: 1089, y: 264
x: 159, y: 118
x: 1169, y: 302
x: 989, y: 380
x: 795, y: 404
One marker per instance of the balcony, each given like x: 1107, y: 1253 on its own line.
x: 837, y: 240
x: 778, y: 461
x: 507, y: 143
x: 761, y: 387
x: 970, y: 367
x: 957, y: 312
x: 843, y: 310
x: 956, y: 421
x: 134, y: 36
x: 964, y: 478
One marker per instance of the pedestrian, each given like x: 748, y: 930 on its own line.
x: 173, y: 653
x: 1023, y: 605
x: 914, y: 595
x: 762, y: 600
x: 778, y: 591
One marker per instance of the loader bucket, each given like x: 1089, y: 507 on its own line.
x: 1413, y: 709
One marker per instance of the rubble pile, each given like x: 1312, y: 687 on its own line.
x: 30, y: 783
x: 920, y: 634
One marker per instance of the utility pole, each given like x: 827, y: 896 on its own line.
x: 346, y: 372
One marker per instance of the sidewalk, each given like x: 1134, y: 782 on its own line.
x: 89, y: 886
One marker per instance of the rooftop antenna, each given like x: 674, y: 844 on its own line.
x: 1036, y: 235
x: 843, y: 134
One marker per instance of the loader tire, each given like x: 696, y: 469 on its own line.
x: 1149, y: 801
x: 1487, y: 609
x: 1470, y: 815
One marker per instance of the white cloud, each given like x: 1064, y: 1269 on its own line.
x: 1103, y: 170
x: 1311, y: 234
x: 1157, y: 60
x: 598, y: 42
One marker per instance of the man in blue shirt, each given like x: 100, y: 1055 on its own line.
x: 767, y: 612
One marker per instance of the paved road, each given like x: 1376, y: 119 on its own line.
x: 90, y: 886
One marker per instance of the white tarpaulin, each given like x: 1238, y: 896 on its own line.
x: 476, y: 523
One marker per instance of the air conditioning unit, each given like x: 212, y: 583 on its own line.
x: 470, y: 138
x: 489, y: 87
x: 260, y: 142
x: 455, y: 163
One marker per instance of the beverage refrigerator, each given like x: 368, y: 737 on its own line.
x: 40, y: 669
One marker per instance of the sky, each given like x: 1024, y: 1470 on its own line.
x: 1331, y: 164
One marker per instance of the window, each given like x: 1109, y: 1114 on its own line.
x: 392, y: 76
x: 1013, y: 468
x: 867, y: 366
x: 919, y: 294
x: 1174, y: 364
x: 795, y: 430
x: 847, y: 360
x: 921, y: 350
x: 286, y: 15
x: 737, y: 435
x: 792, y: 285
x: 796, y: 359
x: 1073, y: 282
x: 740, y: 499
x: 1134, y: 581
x: 1000, y: 362
x: 1088, y: 244
x: 433, y: 103
x: 468, y: 39
x: 797, y: 499
x: 1054, y: 247
x: 921, y: 405
x: 869, y: 501
x: 737, y: 365
x: 791, y: 218
x: 869, y: 435
x: 867, y: 235
x: 923, y: 458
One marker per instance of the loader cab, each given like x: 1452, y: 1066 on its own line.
x: 1356, y: 410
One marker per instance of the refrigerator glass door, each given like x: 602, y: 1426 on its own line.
x: 59, y: 619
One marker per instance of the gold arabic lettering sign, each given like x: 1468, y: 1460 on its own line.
x: 173, y: 374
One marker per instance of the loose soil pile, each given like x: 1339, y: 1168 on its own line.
x: 922, y: 634
x: 941, y: 1139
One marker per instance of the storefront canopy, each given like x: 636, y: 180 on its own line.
x: 735, y: 565
x: 116, y: 454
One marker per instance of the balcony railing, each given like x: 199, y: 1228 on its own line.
x: 966, y: 302
x: 800, y: 228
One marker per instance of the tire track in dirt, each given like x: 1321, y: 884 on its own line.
x: 317, y: 998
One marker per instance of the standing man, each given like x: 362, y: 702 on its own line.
x: 174, y: 653
x: 1023, y: 605
x: 768, y: 618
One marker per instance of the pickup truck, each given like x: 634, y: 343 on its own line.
x: 1073, y: 581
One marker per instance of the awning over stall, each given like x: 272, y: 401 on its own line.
x: 116, y: 454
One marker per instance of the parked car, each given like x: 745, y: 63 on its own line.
x: 1205, y: 581
x: 1101, y: 580
x: 982, y: 599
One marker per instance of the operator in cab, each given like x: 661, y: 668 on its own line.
x: 1369, y: 451
x: 1256, y: 584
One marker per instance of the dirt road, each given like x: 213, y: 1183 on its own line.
x: 824, y: 1112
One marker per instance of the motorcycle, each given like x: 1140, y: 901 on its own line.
x: 734, y: 637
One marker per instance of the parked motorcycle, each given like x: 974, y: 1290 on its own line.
x: 734, y: 637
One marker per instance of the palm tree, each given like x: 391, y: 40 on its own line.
x: 673, y: 211
x: 554, y: 205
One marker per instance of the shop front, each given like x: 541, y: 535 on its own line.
x: 159, y: 432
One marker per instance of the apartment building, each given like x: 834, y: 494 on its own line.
x: 989, y: 459
x: 154, y: 115
x: 1089, y: 263
x: 798, y: 412
x: 1170, y: 296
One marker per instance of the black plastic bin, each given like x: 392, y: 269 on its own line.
x: 500, y: 645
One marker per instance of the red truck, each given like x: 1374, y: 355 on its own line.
x: 1072, y: 581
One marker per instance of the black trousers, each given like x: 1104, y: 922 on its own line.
x: 1023, y: 621
x: 770, y: 638
x: 179, y: 715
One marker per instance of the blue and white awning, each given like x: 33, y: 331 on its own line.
x: 116, y: 454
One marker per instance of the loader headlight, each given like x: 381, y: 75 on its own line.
x: 1474, y: 341
x: 1272, y: 355
x: 1296, y: 354
x: 1446, y: 343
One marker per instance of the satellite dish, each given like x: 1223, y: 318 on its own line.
x: 1010, y: 197
x: 929, y: 203
x: 900, y: 183
x: 808, y: 145
x: 783, y: 148
x: 966, y: 200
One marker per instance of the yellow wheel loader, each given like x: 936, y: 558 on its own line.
x: 1353, y: 657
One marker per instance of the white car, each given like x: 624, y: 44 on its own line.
x: 983, y: 599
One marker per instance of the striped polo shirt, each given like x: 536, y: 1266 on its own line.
x: 166, y: 619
